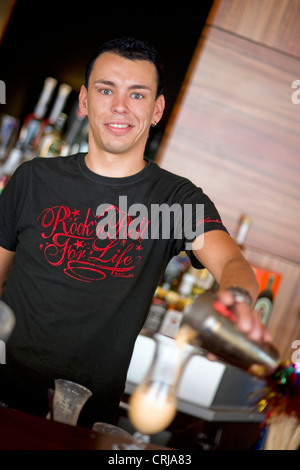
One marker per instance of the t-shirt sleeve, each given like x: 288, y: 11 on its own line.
x: 199, y: 215
x: 11, y: 202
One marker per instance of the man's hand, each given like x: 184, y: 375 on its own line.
x: 244, y: 317
x: 247, y: 319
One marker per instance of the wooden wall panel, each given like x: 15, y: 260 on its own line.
x: 274, y: 23
x: 236, y: 134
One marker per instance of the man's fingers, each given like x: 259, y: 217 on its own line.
x: 247, y: 320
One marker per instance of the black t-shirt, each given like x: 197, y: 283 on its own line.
x: 90, y: 251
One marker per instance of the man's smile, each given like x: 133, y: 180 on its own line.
x: 119, y: 126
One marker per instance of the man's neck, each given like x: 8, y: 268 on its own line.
x: 114, y: 166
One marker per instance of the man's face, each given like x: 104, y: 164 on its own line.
x: 121, y: 104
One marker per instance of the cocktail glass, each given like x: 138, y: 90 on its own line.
x: 153, y: 404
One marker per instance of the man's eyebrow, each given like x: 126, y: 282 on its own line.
x: 139, y: 87
x: 104, y: 82
x: 112, y: 84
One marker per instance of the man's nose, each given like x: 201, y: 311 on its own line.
x: 120, y: 104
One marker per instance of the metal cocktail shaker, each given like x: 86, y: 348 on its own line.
x: 208, y: 325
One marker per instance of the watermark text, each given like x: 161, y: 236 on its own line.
x: 296, y: 354
x: 296, y: 94
x: 140, y: 221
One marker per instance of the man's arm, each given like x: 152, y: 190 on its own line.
x: 219, y: 253
x: 6, y: 258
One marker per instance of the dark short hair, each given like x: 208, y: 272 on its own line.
x: 132, y: 49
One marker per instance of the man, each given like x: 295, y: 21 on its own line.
x: 80, y: 265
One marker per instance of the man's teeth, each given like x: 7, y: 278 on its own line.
x: 119, y: 126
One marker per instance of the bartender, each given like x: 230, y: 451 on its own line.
x: 79, y: 264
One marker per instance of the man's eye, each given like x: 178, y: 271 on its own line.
x: 105, y: 91
x: 137, y: 96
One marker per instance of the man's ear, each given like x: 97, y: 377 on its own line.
x: 159, y: 108
x: 82, y: 99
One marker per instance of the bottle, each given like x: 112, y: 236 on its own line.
x: 177, y: 305
x: 32, y: 122
x: 80, y: 144
x: 173, y: 318
x: 204, y: 281
x: 48, y: 124
x: 209, y: 325
x: 155, y: 316
x: 29, y: 129
x: 51, y: 141
x: 8, y: 133
x: 75, y: 124
x: 13, y: 160
x: 264, y: 302
x: 243, y: 229
x: 175, y: 269
x: 186, y: 286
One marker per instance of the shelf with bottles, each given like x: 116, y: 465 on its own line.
x: 180, y: 285
x: 46, y: 132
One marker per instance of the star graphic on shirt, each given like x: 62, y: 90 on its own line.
x: 75, y: 212
x: 138, y: 247
x: 79, y: 244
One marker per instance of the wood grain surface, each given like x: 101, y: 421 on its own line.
x: 273, y: 23
x: 236, y: 133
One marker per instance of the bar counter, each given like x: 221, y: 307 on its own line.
x: 21, y: 431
